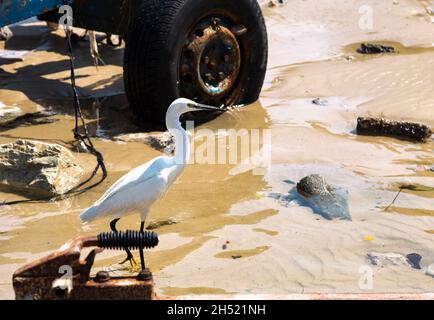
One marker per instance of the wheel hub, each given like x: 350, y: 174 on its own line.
x: 210, y: 62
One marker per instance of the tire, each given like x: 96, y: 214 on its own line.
x: 165, y: 31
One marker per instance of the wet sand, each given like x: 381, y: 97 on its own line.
x: 270, y: 246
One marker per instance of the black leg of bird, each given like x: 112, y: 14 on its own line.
x: 130, y: 256
x: 142, y: 256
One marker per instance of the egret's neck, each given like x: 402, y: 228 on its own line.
x: 182, y: 141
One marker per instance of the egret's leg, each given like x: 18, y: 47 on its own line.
x: 142, y: 256
x: 130, y: 256
x: 113, y: 225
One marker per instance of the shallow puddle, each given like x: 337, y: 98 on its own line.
x: 310, y: 104
x: 238, y: 254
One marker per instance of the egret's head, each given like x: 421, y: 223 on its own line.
x: 182, y: 105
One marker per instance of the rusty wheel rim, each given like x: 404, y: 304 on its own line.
x: 210, y: 62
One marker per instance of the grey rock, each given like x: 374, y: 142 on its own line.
x: 385, y: 259
x: 414, y: 260
x: 320, y: 102
x: 328, y: 201
x: 38, y: 167
x: 369, y: 48
x: 163, y: 142
x: 430, y: 270
x: 313, y: 185
x: 8, y: 112
x: 28, y: 119
x: 5, y: 34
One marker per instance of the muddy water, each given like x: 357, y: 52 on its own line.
x: 231, y: 228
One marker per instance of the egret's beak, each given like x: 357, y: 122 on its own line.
x: 206, y: 107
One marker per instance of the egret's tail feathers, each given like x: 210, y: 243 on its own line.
x: 89, y: 215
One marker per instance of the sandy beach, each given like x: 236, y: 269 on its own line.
x: 235, y: 232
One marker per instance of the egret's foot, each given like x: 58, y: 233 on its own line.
x: 134, y: 269
x: 133, y: 262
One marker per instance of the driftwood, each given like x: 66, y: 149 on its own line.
x: 398, y: 129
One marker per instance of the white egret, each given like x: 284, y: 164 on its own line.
x: 140, y: 188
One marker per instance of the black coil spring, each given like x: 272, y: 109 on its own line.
x: 129, y: 239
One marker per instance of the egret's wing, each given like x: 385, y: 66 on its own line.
x: 126, y: 193
x: 138, y: 175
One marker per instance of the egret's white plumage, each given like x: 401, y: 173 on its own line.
x: 140, y: 188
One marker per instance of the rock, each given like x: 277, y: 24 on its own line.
x: 13, y: 55
x: 29, y: 119
x: 329, y: 201
x: 313, y: 185
x: 320, y: 102
x: 368, y: 48
x: 163, y: 142
x: 398, y: 129
x: 8, y: 112
x: 38, y: 167
x: 161, y: 223
x: 414, y: 260
x: 384, y: 259
x: 430, y: 270
x: 5, y: 34
x: 132, y: 137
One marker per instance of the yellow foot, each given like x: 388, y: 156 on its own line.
x: 134, y: 268
x: 132, y: 261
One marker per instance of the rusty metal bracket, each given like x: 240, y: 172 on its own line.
x: 63, y: 275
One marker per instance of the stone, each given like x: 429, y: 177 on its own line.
x: 8, y: 112
x: 5, y: 34
x: 414, y: 260
x: 313, y: 185
x: 13, y: 55
x: 430, y: 270
x: 28, y: 119
x: 385, y: 259
x: 163, y: 142
x: 38, y: 167
x: 368, y: 48
x: 320, y: 102
x: 328, y: 201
